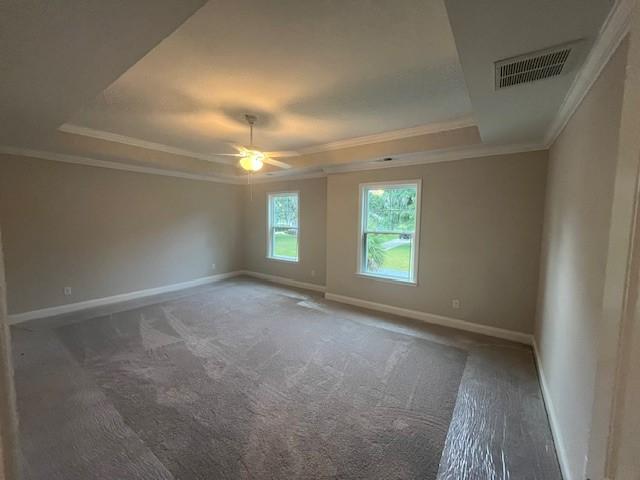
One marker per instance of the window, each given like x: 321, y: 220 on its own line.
x: 283, y: 226
x: 389, y: 219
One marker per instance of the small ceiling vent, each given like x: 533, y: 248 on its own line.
x: 534, y: 66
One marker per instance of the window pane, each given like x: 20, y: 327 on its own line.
x: 391, y: 209
x: 389, y: 255
x: 285, y: 242
x: 284, y: 211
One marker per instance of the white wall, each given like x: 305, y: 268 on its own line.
x: 580, y: 188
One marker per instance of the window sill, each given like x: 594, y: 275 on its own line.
x: 286, y: 260
x: 395, y: 281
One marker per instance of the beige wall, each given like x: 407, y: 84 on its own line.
x: 582, y: 168
x: 8, y: 419
x: 624, y: 463
x: 479, y: 240
x: 313, y: 214
x: 105, y: 232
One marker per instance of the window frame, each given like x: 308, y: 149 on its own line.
x: 270, y: 227
x: 362, y: 212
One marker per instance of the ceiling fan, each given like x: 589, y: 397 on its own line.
x: 252, y: 158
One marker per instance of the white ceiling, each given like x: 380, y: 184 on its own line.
x: 57, y: 55
x: 490, y: 30
x: 314, y: 72
x: 165, y: 84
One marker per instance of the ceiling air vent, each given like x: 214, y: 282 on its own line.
x: 533, y: 66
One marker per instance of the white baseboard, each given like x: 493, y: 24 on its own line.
x: 123, y: 297
x: 553, y: 417
x: 435, y: 319
x: 284, y: 281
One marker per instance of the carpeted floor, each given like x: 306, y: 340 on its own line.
x: 247, y: 380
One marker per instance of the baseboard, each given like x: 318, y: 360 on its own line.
x: 285, y: 281
x: 123, y: 297
x: 434, y: 319
x: 553, y: 418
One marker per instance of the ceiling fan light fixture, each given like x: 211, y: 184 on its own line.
x: 251, y: 160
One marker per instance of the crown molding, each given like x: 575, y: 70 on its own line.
x: 417, y: 158
x: 303, y: 174
x: 614, y: 29
x: 92, y: 162
x: 436, y: 156
x: 136, y: 142
x: 405, y: 160
x: 462, y: 122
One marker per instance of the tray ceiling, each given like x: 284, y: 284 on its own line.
x: 313, y: 72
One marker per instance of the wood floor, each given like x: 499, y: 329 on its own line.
x: 498, y: 430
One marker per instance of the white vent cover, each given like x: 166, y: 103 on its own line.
x: 533, y: 66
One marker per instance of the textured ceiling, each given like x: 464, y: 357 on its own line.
x: 314, y: 72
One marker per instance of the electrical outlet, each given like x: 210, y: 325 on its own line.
x: 455, y: 303
x: 213, y: 266
x: 67, y: 291
x: 313, y: 273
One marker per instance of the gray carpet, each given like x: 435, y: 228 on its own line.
x: 237, y: 382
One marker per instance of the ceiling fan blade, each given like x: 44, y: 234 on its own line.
x: 227, y: 154
x: 268, y: 156
x: 283, y: 153
x: 276, y: 163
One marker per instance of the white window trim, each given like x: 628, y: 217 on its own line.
x: 361, y: 272
x: 270, y: 255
